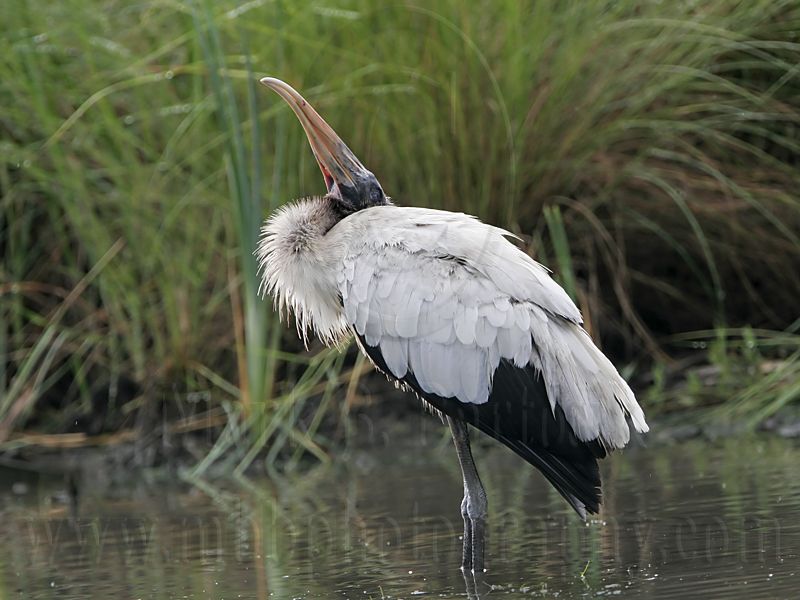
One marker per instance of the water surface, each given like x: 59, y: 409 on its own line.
x: 699, y: 519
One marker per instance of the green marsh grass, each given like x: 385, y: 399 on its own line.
x: 646, y: 151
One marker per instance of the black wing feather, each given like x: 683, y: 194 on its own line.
x: 518, y: 414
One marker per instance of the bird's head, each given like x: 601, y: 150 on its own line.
x: 351, y: 187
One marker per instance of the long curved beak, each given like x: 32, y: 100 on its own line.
x: 336, y: 161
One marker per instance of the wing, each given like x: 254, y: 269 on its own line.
x: 449, y: 307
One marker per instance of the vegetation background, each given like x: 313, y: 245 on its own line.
x: 646, y: 151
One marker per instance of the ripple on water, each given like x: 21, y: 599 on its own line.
x: 695, y: 520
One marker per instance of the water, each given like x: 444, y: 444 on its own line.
x: 698, y: 519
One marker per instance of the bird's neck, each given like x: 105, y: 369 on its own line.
x: 300, y: 255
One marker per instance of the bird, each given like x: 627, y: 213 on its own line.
x: 452, y: 310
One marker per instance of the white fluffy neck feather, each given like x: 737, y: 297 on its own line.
x: 299, y: 256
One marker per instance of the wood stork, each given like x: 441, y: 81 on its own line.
x: 450, y: 309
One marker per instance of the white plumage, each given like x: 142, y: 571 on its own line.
x: 445, y: 297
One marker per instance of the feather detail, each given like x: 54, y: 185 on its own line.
x: 299, y: 267
x: 450, y: 309
x: 465, y: 298
x: 446, y: 298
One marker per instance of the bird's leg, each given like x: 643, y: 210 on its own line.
x: 474, y: 505
x: 472, y: 583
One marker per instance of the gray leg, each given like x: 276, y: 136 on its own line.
x: 473, y: 506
